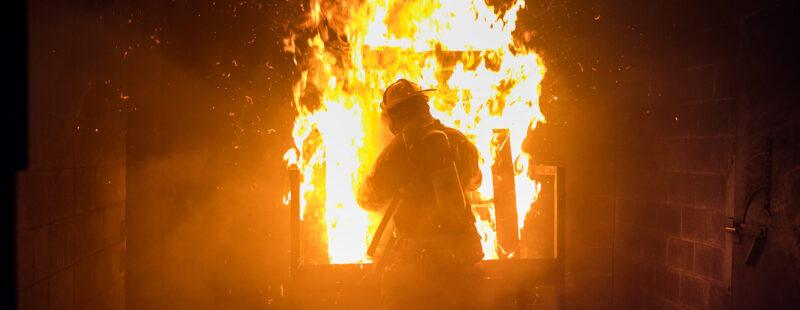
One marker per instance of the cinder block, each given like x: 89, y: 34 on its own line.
x: 699, y: 224
x: 693, y: 84
x: 106, y: 262
x: 25, y: 257
x: 42, y: 253
x: 92, y: 275
x: 589, y: 289
x: 606, y: 305
x: 694, y: 223
x: 667, y: 284
x: 716, y: 229
x: 590, y: 261
x: 110, y: 185
x: 630, y: 184
x: 668, y: 305
x: 116, y: 254
x: 584, y: 234
x: 654, y: 217
x: 624, y: 241
x: 680, y: 254
x: 61, y: 290
x: 594, y: 208
x: 110, y: 299
x: 587, y: 172
x: 30, y: 199
x: 653, y: 302
x: 697, y: 189
x: 716, y: 44
x: 122, y: 282
x: 653, y: 247
x: 117, y: 153
x: 628, y: 297
x: 60, y: 147
x: 85, y: 189
x: 696, y: 154
x: 88, y: 153
x: 113, y: 222
x: 111, y: 140
x: 62, y: 237
x: 35, y: 297
x: 668, y: 220
x: 639, y: 120
x: 628, y: 210
x: 709, y: 261
x: 89, y: 233
x: 36, y: 132
x: 85, y: 278
x: 637, y: 243
x: 641, y: 274
x: 719, y: 298
x: 635, y: 153
x: 711, y: 118
x: 694, y: 292
x: 698, y: 18
x: 59, y: 195
x: 729, y: 85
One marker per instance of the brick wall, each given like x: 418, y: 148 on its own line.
x: 71, y: 199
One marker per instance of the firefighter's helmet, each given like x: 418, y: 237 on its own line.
x: 400, y: 91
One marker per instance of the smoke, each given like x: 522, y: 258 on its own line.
x: 208, y: 119
x: 202, y: 236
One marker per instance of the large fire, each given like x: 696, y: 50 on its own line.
x: 484, y: 81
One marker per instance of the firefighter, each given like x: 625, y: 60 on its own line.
x: 421, y: 181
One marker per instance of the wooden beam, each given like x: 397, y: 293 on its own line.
x: 505, y: 198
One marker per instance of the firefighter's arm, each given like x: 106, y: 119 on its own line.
x: 470, y: 173
x: 374, y: 193
x: 370, y: 197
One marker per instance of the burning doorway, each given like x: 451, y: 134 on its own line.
x: 488, y: 84
x: 488, y: 88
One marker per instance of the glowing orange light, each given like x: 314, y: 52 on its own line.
x: 485, y: 81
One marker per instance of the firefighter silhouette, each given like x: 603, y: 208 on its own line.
x: 426, y: 246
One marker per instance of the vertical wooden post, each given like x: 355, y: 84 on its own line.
x: 294, y: 219
x: 560, y: 236
x: 505, y: 197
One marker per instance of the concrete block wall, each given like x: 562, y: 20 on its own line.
x: 645, y: 102
x: 71, y: 221
x: 674, y: 193
x: 669, y: 248
x: 71, y: 198
x: 677, y: 155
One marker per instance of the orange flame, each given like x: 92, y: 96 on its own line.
x: 484, y: 79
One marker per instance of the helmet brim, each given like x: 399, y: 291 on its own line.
x: 397, y: 100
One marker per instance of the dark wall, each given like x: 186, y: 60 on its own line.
x: 71, y: 198
x: 768, y: 157
x: 661, y: 106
